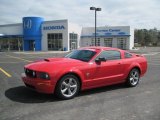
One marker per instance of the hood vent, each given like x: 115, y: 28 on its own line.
x: 46, y: 60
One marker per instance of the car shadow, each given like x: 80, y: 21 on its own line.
x: 103, y: 89
x: 24, y: 95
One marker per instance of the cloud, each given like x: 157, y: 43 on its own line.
x: 136, y: 13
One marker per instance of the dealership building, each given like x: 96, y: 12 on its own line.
x: 36, y: 34
x: 109, y: 36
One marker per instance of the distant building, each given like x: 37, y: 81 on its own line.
x: 35, y: 34
x: 111, y: 36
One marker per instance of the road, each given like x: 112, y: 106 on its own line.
x: 108, y: 103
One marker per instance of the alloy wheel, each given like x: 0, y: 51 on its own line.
x: 134, y: 77
x: 69, y: 87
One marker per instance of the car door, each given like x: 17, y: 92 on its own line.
x: 109, y: 71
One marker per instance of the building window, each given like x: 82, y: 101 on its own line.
x: 108, y: 42
x: 11, y: 43
x: 122, y: 43
x: 73, y: 41
x: 93, y: 42
x: 97, y: 42
x: 55, y: 41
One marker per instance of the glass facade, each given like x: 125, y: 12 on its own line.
x: 93, y: 42
x: 73, y: 40
x: 108, y: 36
x: 108, y: 42
x: 122, y: 43
x: 55, y: 41
x: 9, y: 43
x: 98, y: 42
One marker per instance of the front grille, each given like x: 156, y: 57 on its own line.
x: 30, y: 73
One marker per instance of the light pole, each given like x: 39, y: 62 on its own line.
x: 95, y: 9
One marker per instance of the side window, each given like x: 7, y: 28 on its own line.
x: 110, y: 55
x: 127, y: 55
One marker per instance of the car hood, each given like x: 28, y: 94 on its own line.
x: 49, y: 64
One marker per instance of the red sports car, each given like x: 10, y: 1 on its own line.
x: 85, y: 68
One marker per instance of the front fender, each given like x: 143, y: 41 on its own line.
x: 65, y: 71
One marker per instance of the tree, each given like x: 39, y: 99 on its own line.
x: 147, y: 37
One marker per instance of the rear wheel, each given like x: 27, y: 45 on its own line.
x: 68, y: 87
x: 133, y: 77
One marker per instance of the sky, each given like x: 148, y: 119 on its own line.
x: 139, y: 14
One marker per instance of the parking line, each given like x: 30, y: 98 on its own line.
x: 153, y: 64
x: 7, y: 74
x: 152, y: 53
x: 19, y: 58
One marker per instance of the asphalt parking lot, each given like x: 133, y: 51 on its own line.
x: 108, y: 103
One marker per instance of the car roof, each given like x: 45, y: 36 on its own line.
x: 99, y: 48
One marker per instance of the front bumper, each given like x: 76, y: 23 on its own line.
x: 37, y: 84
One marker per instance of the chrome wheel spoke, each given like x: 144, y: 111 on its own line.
x: 64, y: 83
x: 135, y: 73
x: 64, y: 90
x: 73, y: 86
x: 136, y: 78
x: 132, y: 80
x: 70, y: 81
x: 69, y: 92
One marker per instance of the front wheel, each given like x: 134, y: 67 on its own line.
x: 133, y: 78
x: 68, y: 87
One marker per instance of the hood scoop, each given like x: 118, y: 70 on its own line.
x: 54, y: 59
x: 47, y: 60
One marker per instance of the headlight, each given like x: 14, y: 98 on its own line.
x: 34, y: 74
x: 30, y: 73
x: 44, y: 75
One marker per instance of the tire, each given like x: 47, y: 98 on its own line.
x: 67, y: 87
x: 133, y: 78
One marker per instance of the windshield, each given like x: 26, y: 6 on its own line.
x: 83, y: 55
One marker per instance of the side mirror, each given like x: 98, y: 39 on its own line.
x: 100, y: 59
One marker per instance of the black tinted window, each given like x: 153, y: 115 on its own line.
x: 83, y: 55
x: 127, y: 55
x: 110, y: 55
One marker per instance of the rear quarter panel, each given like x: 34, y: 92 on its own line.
x: 130, y: 63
